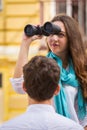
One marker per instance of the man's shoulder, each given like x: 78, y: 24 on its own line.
x: 64, y: 123
x: 12, y: 123
x: 50, y: 121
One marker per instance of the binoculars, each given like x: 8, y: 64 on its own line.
x: 47, y: 29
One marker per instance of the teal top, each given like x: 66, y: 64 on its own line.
x: 67, y: 78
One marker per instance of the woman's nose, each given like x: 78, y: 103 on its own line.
x: 54, y: 37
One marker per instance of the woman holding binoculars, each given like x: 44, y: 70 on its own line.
x: 67, y: 48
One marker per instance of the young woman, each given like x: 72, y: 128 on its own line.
x: 68, y: 50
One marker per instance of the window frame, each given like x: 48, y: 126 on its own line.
x: 1, y: 5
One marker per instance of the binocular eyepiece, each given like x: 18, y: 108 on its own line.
x: 47, y: 29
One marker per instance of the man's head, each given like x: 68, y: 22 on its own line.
x: 41, y: 76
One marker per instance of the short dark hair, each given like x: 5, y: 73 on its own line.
x: 41, y: 76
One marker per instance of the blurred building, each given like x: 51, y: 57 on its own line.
x: 77, y: 9
x: 14, y: 15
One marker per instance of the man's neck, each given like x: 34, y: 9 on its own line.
x: 32, y: 101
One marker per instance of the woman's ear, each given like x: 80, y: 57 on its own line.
x: 24, y: 88
x: 57, y: 90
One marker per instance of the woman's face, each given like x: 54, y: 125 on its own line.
x: 58, y: 43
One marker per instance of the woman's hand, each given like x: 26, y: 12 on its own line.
x: 85, y: 128
x: 27, y: 40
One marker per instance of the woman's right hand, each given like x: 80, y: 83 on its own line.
x: 23, y: 54
x: 28, y: 40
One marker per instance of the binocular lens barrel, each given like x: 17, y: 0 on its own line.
x: 31, y: 30
x: 47, y: 29
x: 51, y: 28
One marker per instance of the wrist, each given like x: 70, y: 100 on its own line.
x: 26, y: 44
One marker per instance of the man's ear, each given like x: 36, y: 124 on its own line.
x: 24, y: 88
x: 57, y: 90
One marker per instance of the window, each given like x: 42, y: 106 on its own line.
x: 60, y: 6
x: 0, y: 80
x: 76, y: 9
x: 0, y: 5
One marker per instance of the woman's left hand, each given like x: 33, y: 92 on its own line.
x: 85, y: 128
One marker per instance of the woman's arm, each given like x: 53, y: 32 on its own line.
x: 23, y: 54
x: 17, y: 79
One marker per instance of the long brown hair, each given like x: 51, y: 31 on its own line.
x: 76, y: 49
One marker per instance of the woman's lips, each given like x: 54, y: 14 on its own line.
x: 54, y: 45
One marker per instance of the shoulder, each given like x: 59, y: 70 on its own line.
x: 65, y: 123
x: 13, y: 124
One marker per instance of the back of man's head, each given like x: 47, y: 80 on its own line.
x: 41, y: 76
